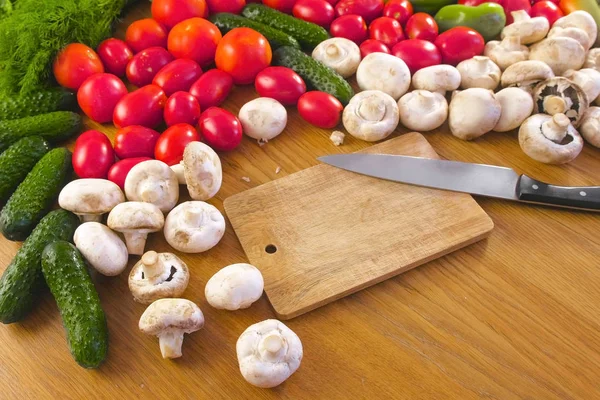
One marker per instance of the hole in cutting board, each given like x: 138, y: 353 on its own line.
x: 271, y: 249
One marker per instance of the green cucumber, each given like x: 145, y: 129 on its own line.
x: 227, y: 21
x: 69, y: 281
x: 33, y: 198
x: 316, y: 74
x: 308, y: 34
x: 22, y: 280
x: 36, y: 103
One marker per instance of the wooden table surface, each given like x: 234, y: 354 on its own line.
x: 512, y: 317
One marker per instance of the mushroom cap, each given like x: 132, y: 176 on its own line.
x: 234, y: 287
x: 593, y: 59
x: 136, y: 216
x: 537, y: 145
x: 371, y: 115
x: 560, y: 95
x: 479, y: 72
x: 473, y: 112
x: 153, y: 182
x: 437, y: 78
x: 579, y: 19
x: 588, y: 79
x: 574, y: 33
x: 102, y: 248
x: 529, y: 30
x: 516, y: 105
x: 339, y: 54
x: 590, y: 126
x: 525, y: 73
x: 194, y: 227
x: 90, y: 196
x: 421, y: 110
x: 506, y: 52
x: 172, y: 282
x: 263, y: 118
x: 383, y: 72
x: 171, y: 314
x: 202, y: 170
x: 559, y: 52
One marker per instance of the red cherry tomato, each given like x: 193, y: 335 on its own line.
x: 177, y: 76
x: 195, y: 39
x: 368, y: 9
x: 351, y: 27
x: 557, y: 2
x: 458, y: 44
x: 141, y: 107
x: 74, y: 64
x: 182, y: 108
x: 400, y: 10
x: 220, y: 129
x: 372, y: 46
x: 93, y: 155
x: 144, y: 66
x: 284, y: 6
x: 548, y: 10
x: 514, y: 5
x: 171, y: 144
x: 332, y: 2
x: 145, y: 33
x: 118, y: 172
x: 172, y: 12
x: 243, y: 53
x: 115, y: 55
x: 135, y: 141
x: 318, y: 12
x: 98, y: 96
x: 281, y: 84
x: 320, y: 109
x: 417, y: 54
x: 212, y: 88
x: 230, y: 6
x: 475, y: 3
x: 422, y: 26
x: 387, y: 30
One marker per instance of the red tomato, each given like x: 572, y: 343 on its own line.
x: 74, y: 64
x: 195, y: 39
x: 417, y: 54
x: 144, y: 66
x: 400, y: 10
x: 514, y: 5
x: 98, y: 96
x: 557, y: 2
x: 182, y: 108
x: 546, y: 9
x: 458, y: 44
x: 332, y: 2
x: 177, y: 76
x: 115, y: 55
x: 368, y: 9
x: 141, y: 107
x: 422, y: 26
x: 281, y: 84
x: 171, y: 144
x: 93, y: 155
x: 230, y: 6
x: 281, y: 5
x: 172, y: 12
x: 475, y: 3
x: 320, y: 109
x: 318, y: 12
x: 220, y: 129
x: 372, y: 46
x: 212, y: 88
x: 135, y: 141
x: 243, y: 53
x: 352, y: 27
x: 387, y: 30
x: 145, y: 33
x: 118, y: 172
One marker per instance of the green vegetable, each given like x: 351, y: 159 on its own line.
x: 69, y: 281
x: 39, y: 102
x: 32, y: 199
x: 6, y: 8
x: 55, y: 126
x: 226, y: 22
x: 316, y: 74
x: 22, y: 280
x: 308, y: 34
x: 430, y: 6
x: 487, y: 18
x: 17, y: 161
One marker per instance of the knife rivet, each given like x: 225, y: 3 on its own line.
x: 535, y: 187
x: 583, y: 194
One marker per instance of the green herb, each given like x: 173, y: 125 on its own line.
x: 6, y: 8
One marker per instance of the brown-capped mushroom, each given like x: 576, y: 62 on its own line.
x: 579, y: 19
x: 479, y: 72
x: 593, y: 59
x: 421, y: 110
x: 90, y: 198
x: 135, y: 220
x: 560, y: 53
x: 473, y: 113
x: 528, y: 29
x: 437, y: 78
x: 339, y: 54
x: 153, y: 182
x: 590, y: 126
x: 588, y: 80
x: 158, y: 276
x: 560, y: 96
x: 526, y: 74
x: 516, y: 105
x: 541, y: 137
x: 506, y: 52
x: 371, y: 115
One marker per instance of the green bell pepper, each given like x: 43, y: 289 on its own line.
x: 488, y: 18
x: 430, y: 6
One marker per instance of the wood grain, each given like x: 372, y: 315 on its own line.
x: 514, y: 316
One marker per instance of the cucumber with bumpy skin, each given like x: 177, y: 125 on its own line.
x: 42, y: 101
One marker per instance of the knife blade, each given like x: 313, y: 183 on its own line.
x: 476, y: 179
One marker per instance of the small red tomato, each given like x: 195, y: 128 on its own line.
x: 243, y: 53
x: 118, y: 172
x: 177, y: 76
x: 93, y: 155
x: 514, y: 5
x: 195, y: 39
x: 422, y: 26
x: 74, y: 64
x: 145, y: 33
x: 458, y: 44
x: 557, y: 2
x: 475, y: 3
x: 372, y: 46
x: 417, y: 54
x: 284, y: 6
x: 135, y: 141
x: 171, y: 144
x: 220, y: 129
x: 182, y: 108
x: 368, y: 9
x: 144, y: 66
x: 387, y: 30
x: 546, y: 9
x: 281, y: 84
x: 320, y: 109
x: 115, y: 55
x: 212, y: 88
x: 230, y: 6
x: 98, y: 96
x: 172, y: 12
x: 141, y: 107
x: 351, y: 27
x: 400, y: 10
x: 318, y: 12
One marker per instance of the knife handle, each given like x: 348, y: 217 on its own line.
x: 585, y: 197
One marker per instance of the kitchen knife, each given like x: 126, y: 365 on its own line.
x: 476, y: 179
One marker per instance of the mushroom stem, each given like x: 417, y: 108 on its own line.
x: 135, y: 241
x: 153, y: 267
x: 193, y: 217
x: 371, y: 110
x: 90, y: 217
x: 332, y: 50
x: 170, y: 342
x: 555, y: 105
x: 149, y: 192
x: 520, y: 15
x: 179, y: 172
x: 556, y: 128
x: 511, y: 43
x: 272, y: 346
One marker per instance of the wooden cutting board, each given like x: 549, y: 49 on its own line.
x: 323, y: 233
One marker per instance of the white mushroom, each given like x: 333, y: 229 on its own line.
x: 268, y: 353
x: 194, y: 227
x: 169, y: 319
x: 437, y: 78
x: 90, y: 198
x: 560, y: 53
x: 590, y: 126
x: 574, y: 33
x: 588, y: 80
x: 383, y: 72
x: 529, y: 30
x: 421, y: 110
x: 153, y: 182
x: 263, y: 118
x: 560, y: 95
x: 506, y: 52
x: 136, y: 220
x: 102, y: 248
x: 541, y: 137
x: 339, y: 54
x: 337, y: 138
x: 158, y: 276
x: 516, y: 105
x: 579, y: 19
x: 473, y: 113
x: 202, y: 171
x: 593, y: 59
x: 234, y: 287
x: 479, y: 72
x: 371, y: 115
x: 526, y: 74
x: 179, y: 172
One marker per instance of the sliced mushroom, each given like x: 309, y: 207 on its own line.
x: 422, y: 110
x: 158, y: 276
x: 526, y: 74
x: 506, y: 52
x: 579, y: 19
x: 590, y: 126
x: 371, y: 115
x: 102, y: 248
x: 560, y: 96
x: 541, y: 137
x: 574, y: 33
x: 588, y: 80
x: 437, y: 78
x: 385, y: 73
x: 593, y: 59
x: 194, y: 227
x: 136, y: 220
x: 479, y: 72
x: 340, y: 54
x: 202, y: 171
x: 516, y: 106
x: 264, y: 118
x: 234, y: 287
x: 473, y: 113
x: 153, y: 182
x: 90, y: 198
x: 528, y: 29
x: 560, y: 53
